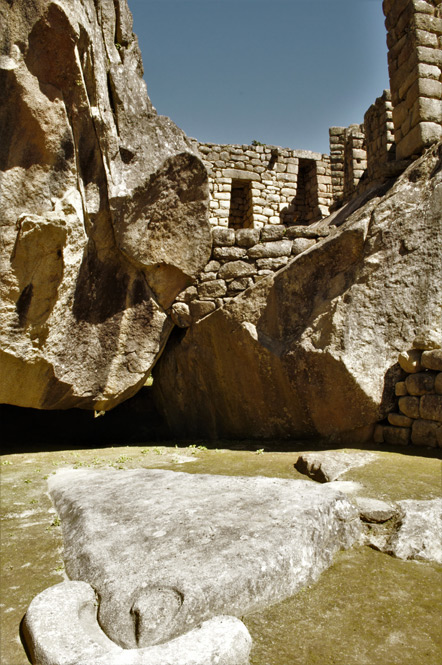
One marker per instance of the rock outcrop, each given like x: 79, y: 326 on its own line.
x: 312, y: 349
x: 103, y: 207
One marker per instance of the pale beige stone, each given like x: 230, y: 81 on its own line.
x: 410, y: 361
x: 432, y: 359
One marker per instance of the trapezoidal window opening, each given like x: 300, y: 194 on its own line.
x: 241, y: 207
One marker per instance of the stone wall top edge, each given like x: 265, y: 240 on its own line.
x: 306, y: 154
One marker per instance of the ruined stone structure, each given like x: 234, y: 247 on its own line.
x: 415, y: 62
x: 266, y: 201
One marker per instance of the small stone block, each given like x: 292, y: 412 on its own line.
x: 399, y: 420
x: 201, y: 308
x: 426, y: 433
x: 247, y: 237
x: 397, y: 436
x: 431, y: 407
x: 409, y: 406
x: 420, y: 384
x: 400, y: 389
x: 432, y: 359
x: 273, y: 232
x: 438, y: 383
x: 223, y: 237
x: 410, y: 361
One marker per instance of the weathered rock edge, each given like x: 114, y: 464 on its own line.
x: 61, y: 628
x: 167, y: 550
x: 312, y: 350
x: 104, y: 208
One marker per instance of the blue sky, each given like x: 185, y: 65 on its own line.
x: 277, y: 71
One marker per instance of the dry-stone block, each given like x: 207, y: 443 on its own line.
x: 438, y: 383
x: 235, y: 269
x: 207, y: 276
x: 399, y: 420
x: 432, y: 359
x: 188, y: 295
x: 272, y: 264
x: 201, y: 308
x: 397, y: 436
x: 180, y: 315
x: 301, y: 244
x: 268, y: 250
x: 240, y: 284
x: 306, y: 232
x: 179, y: 549
x: 409, y: 406
x: 374, y: 510
x: 431, y: 407
x: 274, y: 232
x: 400, y: 389
x: 420, y: 383
x: 428, y: 338
x: 247, y: 237
x: 212, y: 266
x: 426, y: 433
x: 229, y: 253
x: 223, y: 237
x: 213, y: 289
x: 410, y: 361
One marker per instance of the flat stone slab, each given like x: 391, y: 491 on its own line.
x: 166, y: 551
x: 330, y: 465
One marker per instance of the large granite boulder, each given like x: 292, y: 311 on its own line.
x: 312, y: 349
x: 168, y: 550
x: 103, y: 207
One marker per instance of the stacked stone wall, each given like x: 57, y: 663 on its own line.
x: 379, y: 137
x: 417, y: 418
x: 348, y: 157
x: 281, y: 186
x: 414, y: 41
x: 239, y: 259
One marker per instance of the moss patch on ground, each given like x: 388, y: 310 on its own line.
x: 368, y: 608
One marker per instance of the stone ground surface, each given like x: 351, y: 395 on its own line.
x: 367, y: 609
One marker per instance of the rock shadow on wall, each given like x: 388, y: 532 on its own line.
x: 105, y: 288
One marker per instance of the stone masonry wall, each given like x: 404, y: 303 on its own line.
x: 255, y: 185
x: 348, y: 157
x: 239, y: 259
x: 379, y: 137
x: 418, y: 416
x: 414, y: 41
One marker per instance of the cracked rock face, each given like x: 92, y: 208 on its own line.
x: 103, y: 215
x: 312, y: 349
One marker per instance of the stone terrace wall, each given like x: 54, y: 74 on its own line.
x: 379, y: 137
x: 414, y: 41
x: 239, y: 259
x: 418, y: 418
x: 255, y: 185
